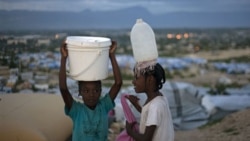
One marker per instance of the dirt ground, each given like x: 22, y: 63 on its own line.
x: 235, y: 127
x: 225, y: 54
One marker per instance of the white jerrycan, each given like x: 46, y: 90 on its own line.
x: 143, y: 42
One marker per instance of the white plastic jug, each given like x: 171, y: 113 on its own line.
x: 143, y: 42
x: 88, y: 57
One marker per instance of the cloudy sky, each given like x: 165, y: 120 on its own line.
x: 154, y: 6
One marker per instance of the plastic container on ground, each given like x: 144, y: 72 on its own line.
x: 88, y: 57
x: 143, y: 42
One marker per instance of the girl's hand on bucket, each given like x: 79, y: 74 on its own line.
x: 113, y: 47
x: 64, y: 50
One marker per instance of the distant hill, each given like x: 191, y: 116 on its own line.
x: 124, y: 18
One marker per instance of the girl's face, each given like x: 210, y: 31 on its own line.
x: 139, y: 83
x: 90, y: 92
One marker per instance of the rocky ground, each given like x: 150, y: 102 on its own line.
x: 235, y: 127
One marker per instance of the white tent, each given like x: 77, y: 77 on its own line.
x: 185, y: 105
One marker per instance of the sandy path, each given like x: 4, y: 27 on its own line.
x: 225, y: 54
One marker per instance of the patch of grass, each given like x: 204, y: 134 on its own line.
x: 234, y: 85
x: 211, y: 123
x: 231, y: 131
x: 192, y: 75
x: 178, y: 73
x: 235, y: 133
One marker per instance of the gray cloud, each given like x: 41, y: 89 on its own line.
x: 154, y: 6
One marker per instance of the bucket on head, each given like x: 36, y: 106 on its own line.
x: 88, y: 57
x: 143, y: 42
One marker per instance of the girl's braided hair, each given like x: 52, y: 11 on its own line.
x: 158, y: 73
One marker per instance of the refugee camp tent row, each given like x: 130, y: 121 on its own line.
x: 233, y: 67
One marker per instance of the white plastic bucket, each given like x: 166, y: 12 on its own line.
x: 143, y: 42
x: 88, y: 57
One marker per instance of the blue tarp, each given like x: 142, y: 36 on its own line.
x: 233, y: 68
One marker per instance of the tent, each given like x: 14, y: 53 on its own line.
x: 185, y: 105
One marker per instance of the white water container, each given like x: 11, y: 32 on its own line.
x: 88, y: 57
x: 143, y: 42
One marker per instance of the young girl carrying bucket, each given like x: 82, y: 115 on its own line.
x: 90, y: 118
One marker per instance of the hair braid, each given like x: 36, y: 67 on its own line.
x: 159, y: 74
